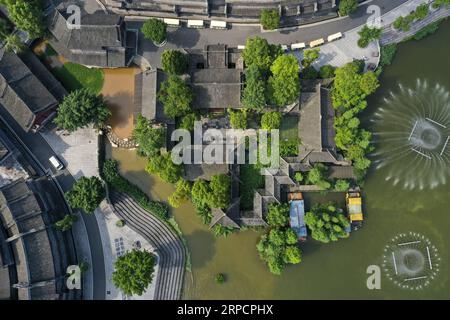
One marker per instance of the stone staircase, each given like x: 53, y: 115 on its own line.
x: 168, y: 245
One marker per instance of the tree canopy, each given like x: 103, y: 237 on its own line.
x: 133, y: 271
x: 220, y: 191
x: 260, y: 53
x: 181, y: 194
x: 254, y: 93
x: 80, y: 109
x: 163, y: 166
x: 27, y: 15
x: 367, y: 34
x: 270, y: 19
x: 278, y: 215
x: 309, y: 56
x: 149, y: 139
x: 284, y: 84
x: 347, y: 7
x: 86, y: 194
x: 238, y: 119
x: 326, y: 223
x: 176, y: 96
x: 66, y: 223
x: 201, y: 193
x: 154, y: 30
x: 174, y: 62
x: 271, y: 120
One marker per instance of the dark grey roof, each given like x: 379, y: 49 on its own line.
x: 3, y: 150
x: 99, y: 42
x: 21, y: 92
x: 149, y: 85
x: 310, y: 123
x: 37, y: 254
x: 230, y: 218
x: 217, y: 84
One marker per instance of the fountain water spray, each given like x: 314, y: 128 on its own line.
x: 412, y: 131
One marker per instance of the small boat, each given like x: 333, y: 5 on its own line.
x: 354, y: 208
x: 297, y: 215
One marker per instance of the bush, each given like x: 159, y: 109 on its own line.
x: 176, y: 96
x: 111, y: 175
x: 341, y: 185
x: 238, y: 119
x: 327, y: 71
x: 220, y: 278
x: 155, y: 30
x: 270, y: 19
x: 347, y: 7
x: 326, y: 223
x: 163, y: 166
x: 426, y: 31
x: 271, y: 120
x: 299, y: 177
x: 174, y: 62
x: 188, y: 121
x: 120, y: 223
x: 367, y: 35
x: 388, y: 54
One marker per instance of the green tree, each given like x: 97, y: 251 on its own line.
x: 238, y: 119
x: 66, y: 223
x: 188, y: 121
x: 81, y: 108
x: 149, y: 139
x: 367, y: 34
x: 270, y: 19
x: 154, y: 30
x: 291, y: 236
x: 163, y: 166
x: 327, y: 71
x: 347, y: 7
x: 174, y: 62
x: 278, y: 215
x: 326, y: 223
x: 317, y: 176
x: 284, y: 84
x: 134, y: 271
x: 271, y: 120
x: 219, y: 278
x: 309, y: 56
x: 220, y: 191
x: 254, y: 93
x: 176, y: 96
x: 260, y: 53
x: 299, y: 177
x: 27, y: 15
x: 181, y: 194
x: 86, y: 194
x: 201, y: 193
x: 13, y: 43
x: 369, y: 83
x: 341, y: 185
x: 292, y: 254
x: 277, y: 237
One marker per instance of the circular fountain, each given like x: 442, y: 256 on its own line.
x: 412, y: 133
x: 411, y: 261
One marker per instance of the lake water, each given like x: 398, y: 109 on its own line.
x: 337, y: 270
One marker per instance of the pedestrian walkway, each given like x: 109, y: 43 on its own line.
x: 116, y: 241
x: 391, y: 35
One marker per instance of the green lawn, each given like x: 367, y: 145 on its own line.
x: 74, y: 76
x: 251, y: 180
x: 289, y: 136
x: 289, y: 128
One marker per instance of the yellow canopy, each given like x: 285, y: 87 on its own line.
x: 356, y: 217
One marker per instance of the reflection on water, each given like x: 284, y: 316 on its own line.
x: 336, y: 270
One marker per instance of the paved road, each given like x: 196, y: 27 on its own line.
x: 37, y: 151
x: 197, y: 38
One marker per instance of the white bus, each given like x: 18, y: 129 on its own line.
x: 216, y: 24
x: 172, y: 22
x: 195, y: 23
x: 334, y: 36
x: 316, y: 43
x: 298, y: 46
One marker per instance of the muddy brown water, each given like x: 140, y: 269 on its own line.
x: 118, y: 90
